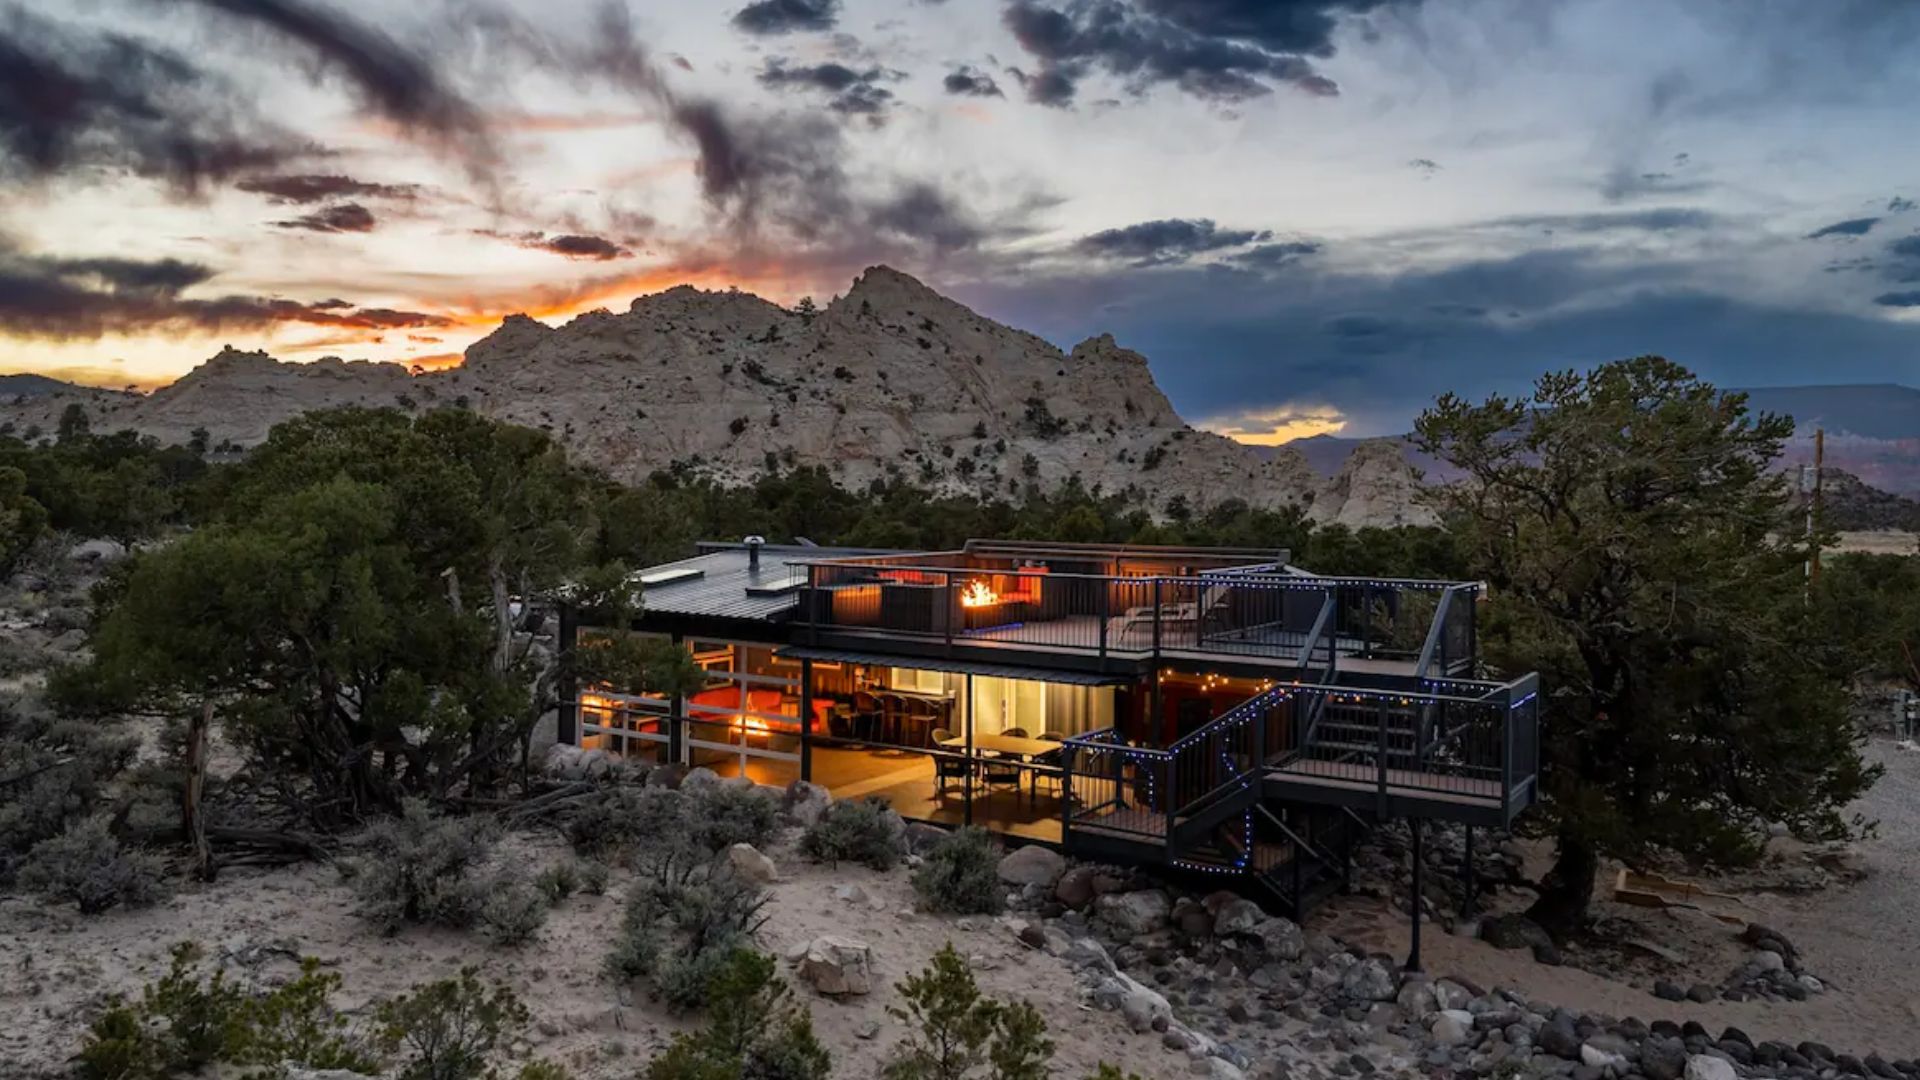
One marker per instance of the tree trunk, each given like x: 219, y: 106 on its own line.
x: 191, y: 819
x: 1567, y: 890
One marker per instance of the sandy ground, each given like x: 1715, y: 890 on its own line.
x: 1863, y: 940
x: 56, y: 966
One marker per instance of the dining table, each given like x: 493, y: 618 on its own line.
x: 1019, y: 751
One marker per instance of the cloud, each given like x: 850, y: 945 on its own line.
x: 855, y: 93
x: 1623, y: 183
x: 1275, y: 256
x: 787, y: 16
x: 1849, y: 227
x: 1278, y: 424
x: 1053, y: 86
x: 341, y: 217
x: 1899, y: 205
x: 1898, y: 299
x: 1172, y: 240
x: 1654, y: 219
x: 79, y: 299
x: 972, y: 82
x: 74, y: 103
x: 303, y: 188
x: 1217, y: 50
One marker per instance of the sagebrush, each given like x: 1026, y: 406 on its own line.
x: 754, y: 1030
x: 961, y: 874
x: 865, y: 831
x: 89, y: 868
x: 684, y: 917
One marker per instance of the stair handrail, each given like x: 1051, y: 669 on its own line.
x: 1321, y: 625
x: 1435, y: 631
x: 1241, y: 775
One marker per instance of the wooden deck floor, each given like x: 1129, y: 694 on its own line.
x: 1407, y: 783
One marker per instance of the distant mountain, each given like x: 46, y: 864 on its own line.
x: 891, y: 379
x: 28, y: 385
x: 1869, y: 411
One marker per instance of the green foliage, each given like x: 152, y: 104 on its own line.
x: 955, y: 1032
x: 55, y: 773
x: 22, y: 520
x: 754, y: 1030
x: 449, y: 1030
x: 727, y: 814
x: 360, y: 574
x: 89, y: 868
x: 685, y: 916
x: 864, y: 831
x: 420, y: 868
x: 183, y: 1023
x: 1867, y: 617
x: 960, y: 874
x: 1643, y: 559
x: 121, y: 486
x: 622, y: 817
x: 1109, y: 1071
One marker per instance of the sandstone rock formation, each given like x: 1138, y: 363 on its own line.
x: 891, y: 379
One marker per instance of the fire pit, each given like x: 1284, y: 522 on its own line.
x: 982, y: 606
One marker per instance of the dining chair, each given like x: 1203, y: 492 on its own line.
x: 947, y: 766
x: 1015, y: 733
x: 1055, y: 757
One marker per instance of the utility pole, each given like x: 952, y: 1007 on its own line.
x: 1819, y: 473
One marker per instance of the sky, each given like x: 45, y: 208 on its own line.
x: 1312, y: 216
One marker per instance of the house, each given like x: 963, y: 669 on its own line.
x: 1212, y: 711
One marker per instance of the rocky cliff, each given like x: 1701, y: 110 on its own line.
x: 891, y: 379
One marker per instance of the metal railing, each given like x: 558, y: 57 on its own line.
x: 1300, y: 619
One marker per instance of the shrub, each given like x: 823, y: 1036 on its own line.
x: 449, y: 1029
x: 559, y: 881
x: 960, y: 874
x: 56, y: 772
x: 593, y: 877
x: 513, y: 911
x: 86, y: 866
x: 867, y: 832
x: 683, y: 919
x: 419, y: 869
x: 625, y: 816
x: 1110, y: 1071
x: 754, y: 1031
x: 182, y: 1024
x: 725, y: 815
x: 955, y: 1031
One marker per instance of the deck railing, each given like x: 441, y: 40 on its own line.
x: 1251, y: 612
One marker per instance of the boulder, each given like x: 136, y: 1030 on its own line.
x: 1514, y: 931
x: 1075, y: 887
x: 1558, y: 1038
x: 1280, y: 939
x: 1237, y: 915
x: 749, y: 864
x: 1368, y: 980
x: 1596, y: 1057
x: 1705, y: 1067
x: 806, y: 802
x: 1663, y: 1059
x: 1452, y: 1027
x: 563, y: 762
x: 836, y: 965
x: 1032, y: 865
x: 1140, y: 912
x: 1144, y: 1008
x: 97, y: 551
x: 699, y: 781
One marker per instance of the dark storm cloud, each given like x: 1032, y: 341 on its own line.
x: 1654, y: 219
x: 1053, y: 86
x: 922, y: 212
x: 856, y: 93
x: 787, y: 16
x: 303, y: 188
x: 74, y: 102
x: 1219, y: 50
x: 1898, y: 299
x: 1899, y: 205
x: 1171, y: 240
x: 342, y: 217
x: 971, y: 82
x: 1276, y: 256
x: 1850, y: 227
x: 68, y: 299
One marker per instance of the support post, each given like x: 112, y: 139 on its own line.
x: 677, y: 717
x: 1472, y: 879
x: 567, y: 722
x: 806, y: 720
x: 966, y: 784
x: 1419, y: 868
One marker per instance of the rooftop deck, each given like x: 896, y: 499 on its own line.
x: 1140, y: 605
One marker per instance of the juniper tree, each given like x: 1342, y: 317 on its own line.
x: 1641, y: 557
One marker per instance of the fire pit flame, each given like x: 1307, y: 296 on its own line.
x: 978, y: 594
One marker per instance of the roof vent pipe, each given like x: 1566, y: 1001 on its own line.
x: 754, y: 543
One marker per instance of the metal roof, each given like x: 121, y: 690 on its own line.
x: 726, y: 588
x: 960, y: 667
